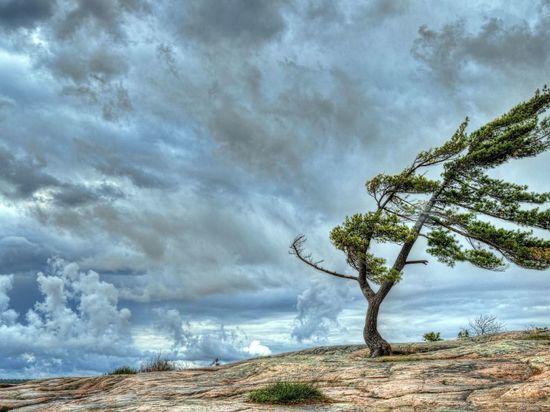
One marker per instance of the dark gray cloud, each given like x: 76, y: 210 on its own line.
x: 19, y: 254
x: 234, y: 22
x: 77, y: 195
x: 23, y: 176
x: 99, y: 64
x: 26, y: 178
x: 102, y: 15
x: 25, y: 13
x: 455, y: 51
x: 379, y: 10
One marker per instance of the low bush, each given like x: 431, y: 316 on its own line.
x: 432, y: 337
x: 537, y: 329
x: 287, y: 393
x: 123, y: 370
x: 158, y: 364
x: 538, y: 333
x: 463, y: 334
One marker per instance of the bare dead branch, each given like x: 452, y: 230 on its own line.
x: 297, y: 249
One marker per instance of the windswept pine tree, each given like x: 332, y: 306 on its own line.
x: 460, y: 214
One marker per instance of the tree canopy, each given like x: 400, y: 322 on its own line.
x: 465, y: 214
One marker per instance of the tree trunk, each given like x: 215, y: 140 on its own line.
x: 376, y: 343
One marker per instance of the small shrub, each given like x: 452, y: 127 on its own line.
x: 158, y: 364
x: 123, y: 370
x: 432, y: 337
x: 537, y: 329
x: 486, y: 325
x: 287, y: 393
x: 463, y: 334
x: 538, y: 333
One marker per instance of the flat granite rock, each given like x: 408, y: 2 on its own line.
x: 506, y: 372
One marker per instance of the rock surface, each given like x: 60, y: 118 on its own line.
x: 505, y: 372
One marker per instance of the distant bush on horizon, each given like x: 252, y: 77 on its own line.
x: 486, y: 325
x: 157, y: 364
x: 432, y: 337
x: 123, y: 370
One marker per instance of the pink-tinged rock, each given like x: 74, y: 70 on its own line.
x: 508, y: 372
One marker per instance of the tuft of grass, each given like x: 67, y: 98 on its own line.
x: 123, y: 370
x: 158, y: 364
x: 287, y: 393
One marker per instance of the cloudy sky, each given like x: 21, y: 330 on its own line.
x: 158, y: 157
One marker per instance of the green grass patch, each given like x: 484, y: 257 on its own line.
x: 123, y: 370
x: 287, y: 393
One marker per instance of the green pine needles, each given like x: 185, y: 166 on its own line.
x: 465, y: 215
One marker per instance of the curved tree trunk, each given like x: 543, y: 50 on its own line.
x: 376, y: 343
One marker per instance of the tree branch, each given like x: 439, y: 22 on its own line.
x: 469, y: 237
x: 296, y: 249
x: 412, y: 262
x: 364, y: 283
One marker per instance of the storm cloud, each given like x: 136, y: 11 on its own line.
x: 25, y: 13
x: 172, y: 150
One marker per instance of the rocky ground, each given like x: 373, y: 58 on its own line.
x: 508, y: 372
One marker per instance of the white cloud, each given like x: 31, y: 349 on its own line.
x: 257, y: 349
x: 222, y: 343
x: 318, y: 309
x: 76, y: 326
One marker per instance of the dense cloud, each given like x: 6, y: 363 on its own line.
x: 174, y: 149
x: 77, y: 315
x: 219, y: 343
x: 25, y: 13
x: 496, y: 47
x: 319, y: 307
x: 78, y: 327
x: 241, y: 22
